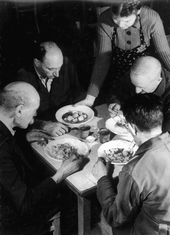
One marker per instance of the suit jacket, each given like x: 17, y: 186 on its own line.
x: 65, y: 89
x: 143, y: 192
x: 21, y: 198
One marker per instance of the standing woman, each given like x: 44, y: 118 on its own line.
x: 127, y: 31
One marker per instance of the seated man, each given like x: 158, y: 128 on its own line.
x: 26, y: 204
x: 140, y: 203
x: 55, y: 79
x: 146, y: 76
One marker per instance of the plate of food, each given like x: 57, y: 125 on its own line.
x: 74, y: 115
x: 62, y: 148
x: 117, y: 125
x: 118, y: 152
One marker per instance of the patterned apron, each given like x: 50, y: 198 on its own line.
x: 123, y: 59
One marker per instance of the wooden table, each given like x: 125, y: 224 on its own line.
x: 82, y: 183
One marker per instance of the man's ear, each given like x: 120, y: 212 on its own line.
x: 18, y: 110
x: 36, y: 62
x: 160, y: 79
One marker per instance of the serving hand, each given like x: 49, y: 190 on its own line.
x: 100, y: 168
x: 88, y: 101
x: 114, y: 109
x: 68, y: 167
x: 55, y: 128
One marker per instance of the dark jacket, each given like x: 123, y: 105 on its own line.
x: 123, y: 89
x: 143, y: 192
x: 65, y: 89
x: 21, y: 198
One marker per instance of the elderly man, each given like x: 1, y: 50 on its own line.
x: 55, y: 79
x: 140, y: 203
x: 146, y: 76
x: 25, y: 203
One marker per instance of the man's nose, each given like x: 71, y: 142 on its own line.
x: 138, y: 90
x: 56, y: 73
x: 121, y: 24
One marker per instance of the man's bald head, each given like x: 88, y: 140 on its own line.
x: 146, y: 74
x: 18, y: 93
x: 52, y: 50
x: 48, y: 59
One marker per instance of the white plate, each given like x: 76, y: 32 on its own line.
x: 122, y: 144
x: 81, y: 147
x: 85, y: 109
x: 111, y: 124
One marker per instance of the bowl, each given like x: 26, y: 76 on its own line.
x: 89, y: 114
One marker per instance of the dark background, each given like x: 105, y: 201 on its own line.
x: 71, y: 24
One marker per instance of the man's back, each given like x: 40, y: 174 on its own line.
x: 151, y: 174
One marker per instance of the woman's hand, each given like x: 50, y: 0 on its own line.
x: 88, y: 101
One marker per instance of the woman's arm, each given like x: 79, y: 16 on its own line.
x: 104, y: 57
x: 157, y: 34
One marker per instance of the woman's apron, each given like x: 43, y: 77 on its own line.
x: 123, y: 59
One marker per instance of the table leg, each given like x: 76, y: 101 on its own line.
x: 84, y: 216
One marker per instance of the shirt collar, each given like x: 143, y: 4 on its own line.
x: 155, y: 141
x: 3, y: 120
x: 39, y: 75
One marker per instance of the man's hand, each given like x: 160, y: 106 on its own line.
x: 88, y: 101
x: 100, y: 169
x: 38, y: 136
x: 68, y: 167
x: 55, y: 128
x: 113, y: 109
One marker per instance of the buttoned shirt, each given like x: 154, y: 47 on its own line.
x: 45, y: 81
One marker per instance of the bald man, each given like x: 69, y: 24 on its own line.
x: 55, y: 79
x: 146, y: 76
x: 26, y: 205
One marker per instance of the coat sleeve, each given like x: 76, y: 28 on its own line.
x: 14, y: 191
x: 119, y: 208
x: 157, y: 33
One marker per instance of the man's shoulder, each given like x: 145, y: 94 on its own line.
x: 165, y: 74
x: 5, y: 134
x: 26, y: 73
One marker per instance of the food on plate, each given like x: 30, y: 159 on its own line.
x: 118, y: 155
x: 62, y: 151
x: 75, y: 117
x: 122, y: 123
